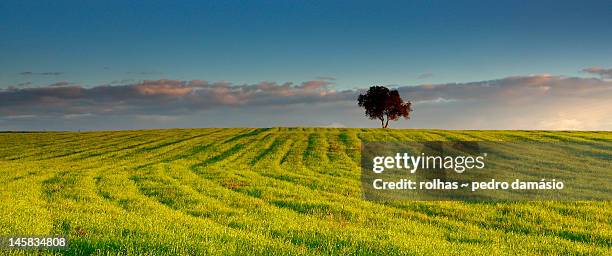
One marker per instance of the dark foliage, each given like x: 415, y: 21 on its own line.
x: 384, y: 104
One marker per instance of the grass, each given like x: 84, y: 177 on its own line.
x: 273, y: 191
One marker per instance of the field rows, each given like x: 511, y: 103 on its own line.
x: 265, y: 191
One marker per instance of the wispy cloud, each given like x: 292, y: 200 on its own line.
x: 19, y: 117
x: 60, y: 84
x: 30, y: 73
x: 24, y: 84
x: 605, y: 73
x: 77, y: 116
x: 122, y: 81
x: 512, y: 89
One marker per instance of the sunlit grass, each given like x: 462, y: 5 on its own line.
x: 264, y: 191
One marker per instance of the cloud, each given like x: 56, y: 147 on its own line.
x: 172, y: 88
x: 21, y: 117
x: 24, y: 84
x: 30, y: 73
x: 77, y: 116
x: 156, y: 118
x: 518, y: 102
x: 314, y: 85
x: 161, y: 97
x: 59, y: 84
x: 425, y: 75
x: 602, y: 72
x: 511, y: 89
x: 122, y: 81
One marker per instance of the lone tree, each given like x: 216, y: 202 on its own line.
x: 384, y: 104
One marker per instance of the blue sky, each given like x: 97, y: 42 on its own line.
x: 359, y: 43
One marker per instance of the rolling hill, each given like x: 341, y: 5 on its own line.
x: 264, y: 191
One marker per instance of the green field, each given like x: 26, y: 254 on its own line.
x: 264, y: 191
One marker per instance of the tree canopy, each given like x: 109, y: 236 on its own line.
x: 384, y: 104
